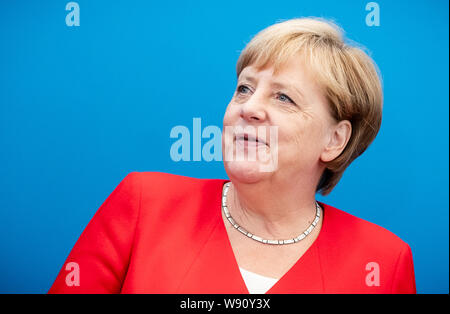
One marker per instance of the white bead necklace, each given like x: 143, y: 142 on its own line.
x: 259, y: 239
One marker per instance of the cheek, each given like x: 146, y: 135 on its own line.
x: 302, y: 140
x: 230, y: 115
x: 229, y: 120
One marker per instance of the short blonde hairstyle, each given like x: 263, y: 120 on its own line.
x: 348, y: 77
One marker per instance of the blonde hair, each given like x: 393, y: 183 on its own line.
x: 348, y: 77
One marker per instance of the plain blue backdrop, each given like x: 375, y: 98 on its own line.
x: 80, y: 107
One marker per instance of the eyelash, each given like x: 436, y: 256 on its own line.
x: 239, y: 90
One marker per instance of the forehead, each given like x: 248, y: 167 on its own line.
x: 293, y: 69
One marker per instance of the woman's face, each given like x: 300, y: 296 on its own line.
x: 289, y: 104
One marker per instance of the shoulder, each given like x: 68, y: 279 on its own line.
x: 353, y: 231
x: 170, y: 203
x: 368, y: 257
x: 165, y: 189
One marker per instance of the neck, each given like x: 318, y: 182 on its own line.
x: 273, y: 209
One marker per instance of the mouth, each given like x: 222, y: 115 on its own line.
x: 250, y: 139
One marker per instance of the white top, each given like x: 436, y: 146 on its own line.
x: 257, y: 284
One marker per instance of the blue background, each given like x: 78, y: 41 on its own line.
x: 80, y: 107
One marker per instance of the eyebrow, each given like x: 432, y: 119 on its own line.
x: 247, y: 78
x: 276, y: 84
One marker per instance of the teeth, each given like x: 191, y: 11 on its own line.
x: 247, y: 138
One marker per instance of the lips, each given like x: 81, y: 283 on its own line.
x: 249, y: 138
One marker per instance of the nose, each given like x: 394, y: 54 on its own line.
x: 253, y: 110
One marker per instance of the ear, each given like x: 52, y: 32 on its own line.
x: 338, y: 139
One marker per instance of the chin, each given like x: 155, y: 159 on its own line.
x: 246, y: 171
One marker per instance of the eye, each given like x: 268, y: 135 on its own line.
x: 242, y: 89
x: 285, y: 98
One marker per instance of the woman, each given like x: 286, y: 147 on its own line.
x: 306, y: 105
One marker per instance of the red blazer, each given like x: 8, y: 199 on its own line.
x: 163, y: 233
